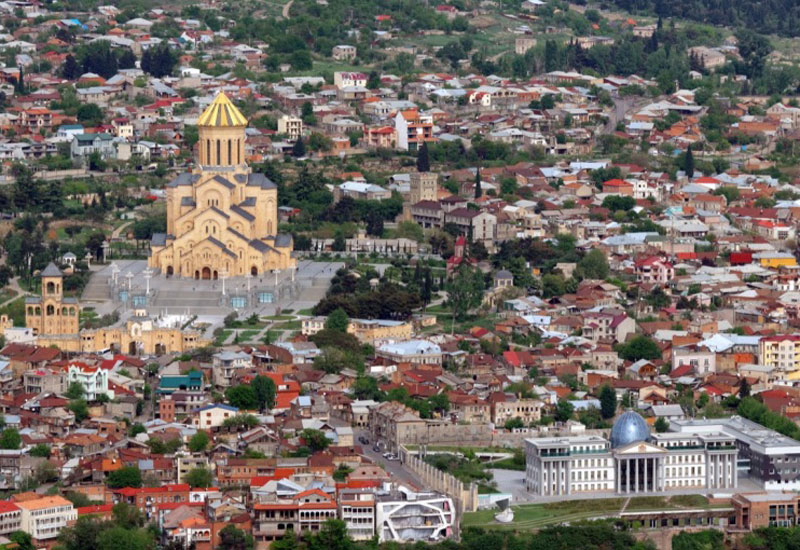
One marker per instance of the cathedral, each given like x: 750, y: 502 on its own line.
x: 222, y: 219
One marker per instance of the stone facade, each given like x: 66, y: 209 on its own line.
x: 221, y: 219
x: 52, y: 313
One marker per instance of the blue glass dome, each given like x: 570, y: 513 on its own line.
x: 629, y: 428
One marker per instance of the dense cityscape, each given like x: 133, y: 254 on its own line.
x: 338, y: 275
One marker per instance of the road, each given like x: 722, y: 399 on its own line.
x: 286, y: 8
x: 393, y: 467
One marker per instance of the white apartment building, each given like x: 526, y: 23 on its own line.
x: 44, y: 518
x: 93, y: 379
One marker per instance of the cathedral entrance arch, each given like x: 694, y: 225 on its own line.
x: 132, y: 348
x: 215, y: 275
x: 196, y: 274
x: 169, y: 271
x: 206, y: 275
x: 254, y: 270
x: 161, y: 349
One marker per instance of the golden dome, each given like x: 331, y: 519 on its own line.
x: 222, y: 112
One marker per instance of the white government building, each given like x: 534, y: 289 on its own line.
x: 630, y: 461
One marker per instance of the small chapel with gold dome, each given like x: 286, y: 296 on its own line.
x: 222, y: 219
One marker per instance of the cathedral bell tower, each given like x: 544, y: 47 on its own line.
x: 221, y: 135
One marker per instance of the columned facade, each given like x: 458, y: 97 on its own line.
x: 639, y: 474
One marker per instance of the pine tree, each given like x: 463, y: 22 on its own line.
x: 70, y: 69
x: 478, y: 190
x: 423, y: 159
x: 19, y: 85
x: 688, y: 165
x: 744, y: 389
x: 299, y: 148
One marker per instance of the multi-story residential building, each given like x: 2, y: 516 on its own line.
x: 10, y: 517
x: 291, y: 126
x: 382, y: 137
x: 781, y: 352
x: 44, y: 380
x: 505, y: 407
x: 44, y: 518
x: 357, y: 511
x: 413, y: 129
x: 306, y: 511
x: 366, y: 330
x: 631, y: 461
x: 84, y: 145
x: 343, y: 52
x: 702, y: 360
x: 348, y: 79
x: 394, y: 423
x: 147, y: 499
x: 361, y: 191
x: 93, y: 379
x: 411, y: 351
x: 654, y: 270
x: 427, y: 213
x: 607, y: 326
x: 405, y: 516
x: 226, y: 363
x: 213, y: 416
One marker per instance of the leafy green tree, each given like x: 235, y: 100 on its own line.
x: 90, y: 114
x: 80, y: 409
x: 242, y: 397
x: 514, y: 423
x: 366, y: 387
x: 564, y: 410
x: 200, y: 477
x: 41, y: 450
x: 233, y: 538
x: 337, y: 321
x: 10, y: 439
x: 75, y: 391
x: 22, y: 539
x: 119, y: 538
x: 127, y: 476
x: 332, y: 535
x: 608, y: 401
x: 199, y: 442
x: 553, y: 285
x: 316, y: 440
x: 661, y: 425
x: 265, y: 390
x: 159, y: 61
x: 640, y: 347
x: 465, y: 291
x: 594, y: 265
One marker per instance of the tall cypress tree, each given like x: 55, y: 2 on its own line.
x: 478, y: 190
x: 423, y: 159
x: 688, y: 165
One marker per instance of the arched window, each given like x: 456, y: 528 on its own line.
x: 51, y: 310
x: 219, y: 153
x: 230, y: 153
x: 51, y: 287
x: 239, y: 152
x: 208, y: 151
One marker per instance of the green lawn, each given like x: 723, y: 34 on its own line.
x: 289, y: 325
x: 536, y: 516
x: 248, y: 335
x: 220, y: 340
x: 15, y: 311
x: 279, y: 317
x: 306, y: 311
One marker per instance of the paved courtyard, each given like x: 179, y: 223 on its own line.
x: 125, y: 285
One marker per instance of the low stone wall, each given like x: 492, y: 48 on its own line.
x: 473, y: 435
x: 465, y: 496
